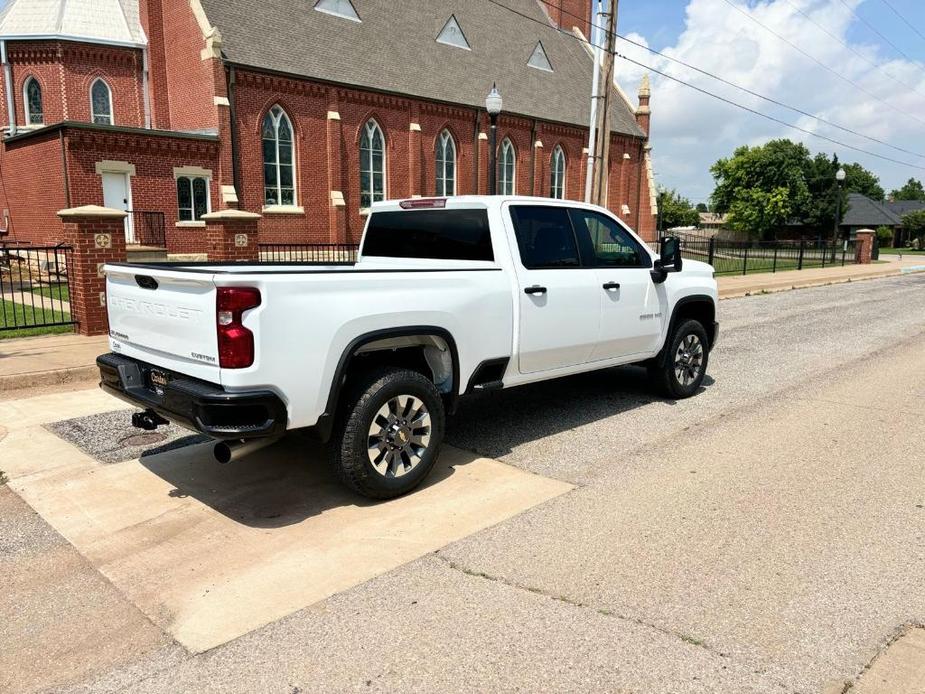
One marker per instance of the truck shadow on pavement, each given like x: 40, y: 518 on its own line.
x: 290, y: 482
x: 494, y: 423
x: 272, y: 488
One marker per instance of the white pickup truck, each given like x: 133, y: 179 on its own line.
x: 447, y: 297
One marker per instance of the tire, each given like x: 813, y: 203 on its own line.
x: 401, y: 413
x: 679, y: 371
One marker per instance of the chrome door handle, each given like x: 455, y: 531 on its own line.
x: 535, y: 289
x: 611, y: 286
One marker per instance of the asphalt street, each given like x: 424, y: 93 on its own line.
x: 763, y: 536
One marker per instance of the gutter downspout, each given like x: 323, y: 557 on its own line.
x: 144, y: 87
x: 233, y: 117
x: 8, y: 86
x: 533, y: 159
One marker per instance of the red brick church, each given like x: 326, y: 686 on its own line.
x: 304, y: 113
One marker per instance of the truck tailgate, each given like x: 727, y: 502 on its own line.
x: 164, y: 317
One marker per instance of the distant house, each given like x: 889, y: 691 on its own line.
x: 864, y: 213
x: 711, y: 220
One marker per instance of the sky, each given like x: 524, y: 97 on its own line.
x: 690, y: 131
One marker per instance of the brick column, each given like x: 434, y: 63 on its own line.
x: 337, y: 213
x: 415, y: 155
x: 865, y: 246
x: 231, y: 235
x: 97, y: 235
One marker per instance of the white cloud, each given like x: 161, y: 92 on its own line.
x: 690, y: 131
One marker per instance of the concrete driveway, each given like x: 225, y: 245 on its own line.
x: 764, y: 536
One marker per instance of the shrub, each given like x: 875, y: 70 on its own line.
x: 885, y: 236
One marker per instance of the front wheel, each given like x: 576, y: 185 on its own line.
x: 679, y: 371
x: 389, y: 436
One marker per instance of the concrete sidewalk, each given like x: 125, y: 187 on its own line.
x: 31, y: 362
x: 731, y: 286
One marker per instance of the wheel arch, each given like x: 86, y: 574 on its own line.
x: 699, y: 307
x: 389, y: 339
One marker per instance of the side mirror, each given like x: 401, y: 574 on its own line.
x: 670, y: 260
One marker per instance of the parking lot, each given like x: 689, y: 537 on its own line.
x: 763, y: 536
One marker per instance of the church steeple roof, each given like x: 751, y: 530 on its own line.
x: 94, y: 21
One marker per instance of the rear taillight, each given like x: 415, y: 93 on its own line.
x: 235, y: 342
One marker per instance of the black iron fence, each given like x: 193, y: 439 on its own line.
x: 309, y: 253
x: 34, y: 287
x: 148, y: 228
x: 745, y: 257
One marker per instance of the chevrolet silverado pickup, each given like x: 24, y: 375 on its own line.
x: 448, y: 296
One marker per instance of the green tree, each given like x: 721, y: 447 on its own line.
x: 860, y: 180
x: 913, y: 190
x: 675, y: 210
x: 702, y: 207
x: 885, y: 236
x: 762, y: 188
x: 914, y: 224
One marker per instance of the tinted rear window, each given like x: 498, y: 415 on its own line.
x: 442, y: 234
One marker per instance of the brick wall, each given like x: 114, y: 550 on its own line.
x: 190, y: 79
x: 33, y: 185
x: 410, y: 154
x: 66, y: 69
x: 153, y: 186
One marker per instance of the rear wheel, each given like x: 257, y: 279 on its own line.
x: 389, y: 434
x: 679, y: 372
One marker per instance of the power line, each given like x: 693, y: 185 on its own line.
x: 717, y: 96
x: 754, y: 93
x: 820, y: 63
x: 853, y: 50
x: 906, y: 21
x: 875, y: 30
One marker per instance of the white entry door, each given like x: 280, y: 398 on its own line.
x: 117, y: 194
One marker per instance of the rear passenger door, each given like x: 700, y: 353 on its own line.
x: 559, y: 297
x: 631, y: 313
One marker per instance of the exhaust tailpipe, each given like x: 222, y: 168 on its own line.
x: 228, y: 451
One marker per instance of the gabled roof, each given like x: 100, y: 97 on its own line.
x: 864, y: 212
x: 392, y: 49
x: 901, y: 207
x: 96, y: 21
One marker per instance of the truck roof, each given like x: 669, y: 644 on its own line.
x: 467, y: 201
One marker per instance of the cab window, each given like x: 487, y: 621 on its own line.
x: 544, y: 237
x: 605, y: 243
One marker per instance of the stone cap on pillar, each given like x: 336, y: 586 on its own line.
x: 865, y: 231
x: 92, y: 211
x: 230, y: 214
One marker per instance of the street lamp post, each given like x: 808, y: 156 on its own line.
x: 839, y: 180
x: 493, y: 105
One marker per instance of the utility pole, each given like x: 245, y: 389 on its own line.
x: 602, y: 140
x: 595, y: 38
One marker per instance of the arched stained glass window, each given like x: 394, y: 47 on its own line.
x: 101, y: 102
x: 372, y: 164
x: 446, y: 165
x: 278, y: 159
x: 32, y: 98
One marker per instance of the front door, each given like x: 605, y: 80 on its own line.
x: 632, y: 307
x: 117, y: 195
x: 559, y: 302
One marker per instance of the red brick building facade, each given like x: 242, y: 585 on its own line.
x: 191, y: 83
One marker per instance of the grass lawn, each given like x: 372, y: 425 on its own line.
x: 23, y: 316
x: 58, y: 292
x: 758, y: 264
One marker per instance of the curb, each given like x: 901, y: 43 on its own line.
x: 739, y: 293
x: 36, y: 379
